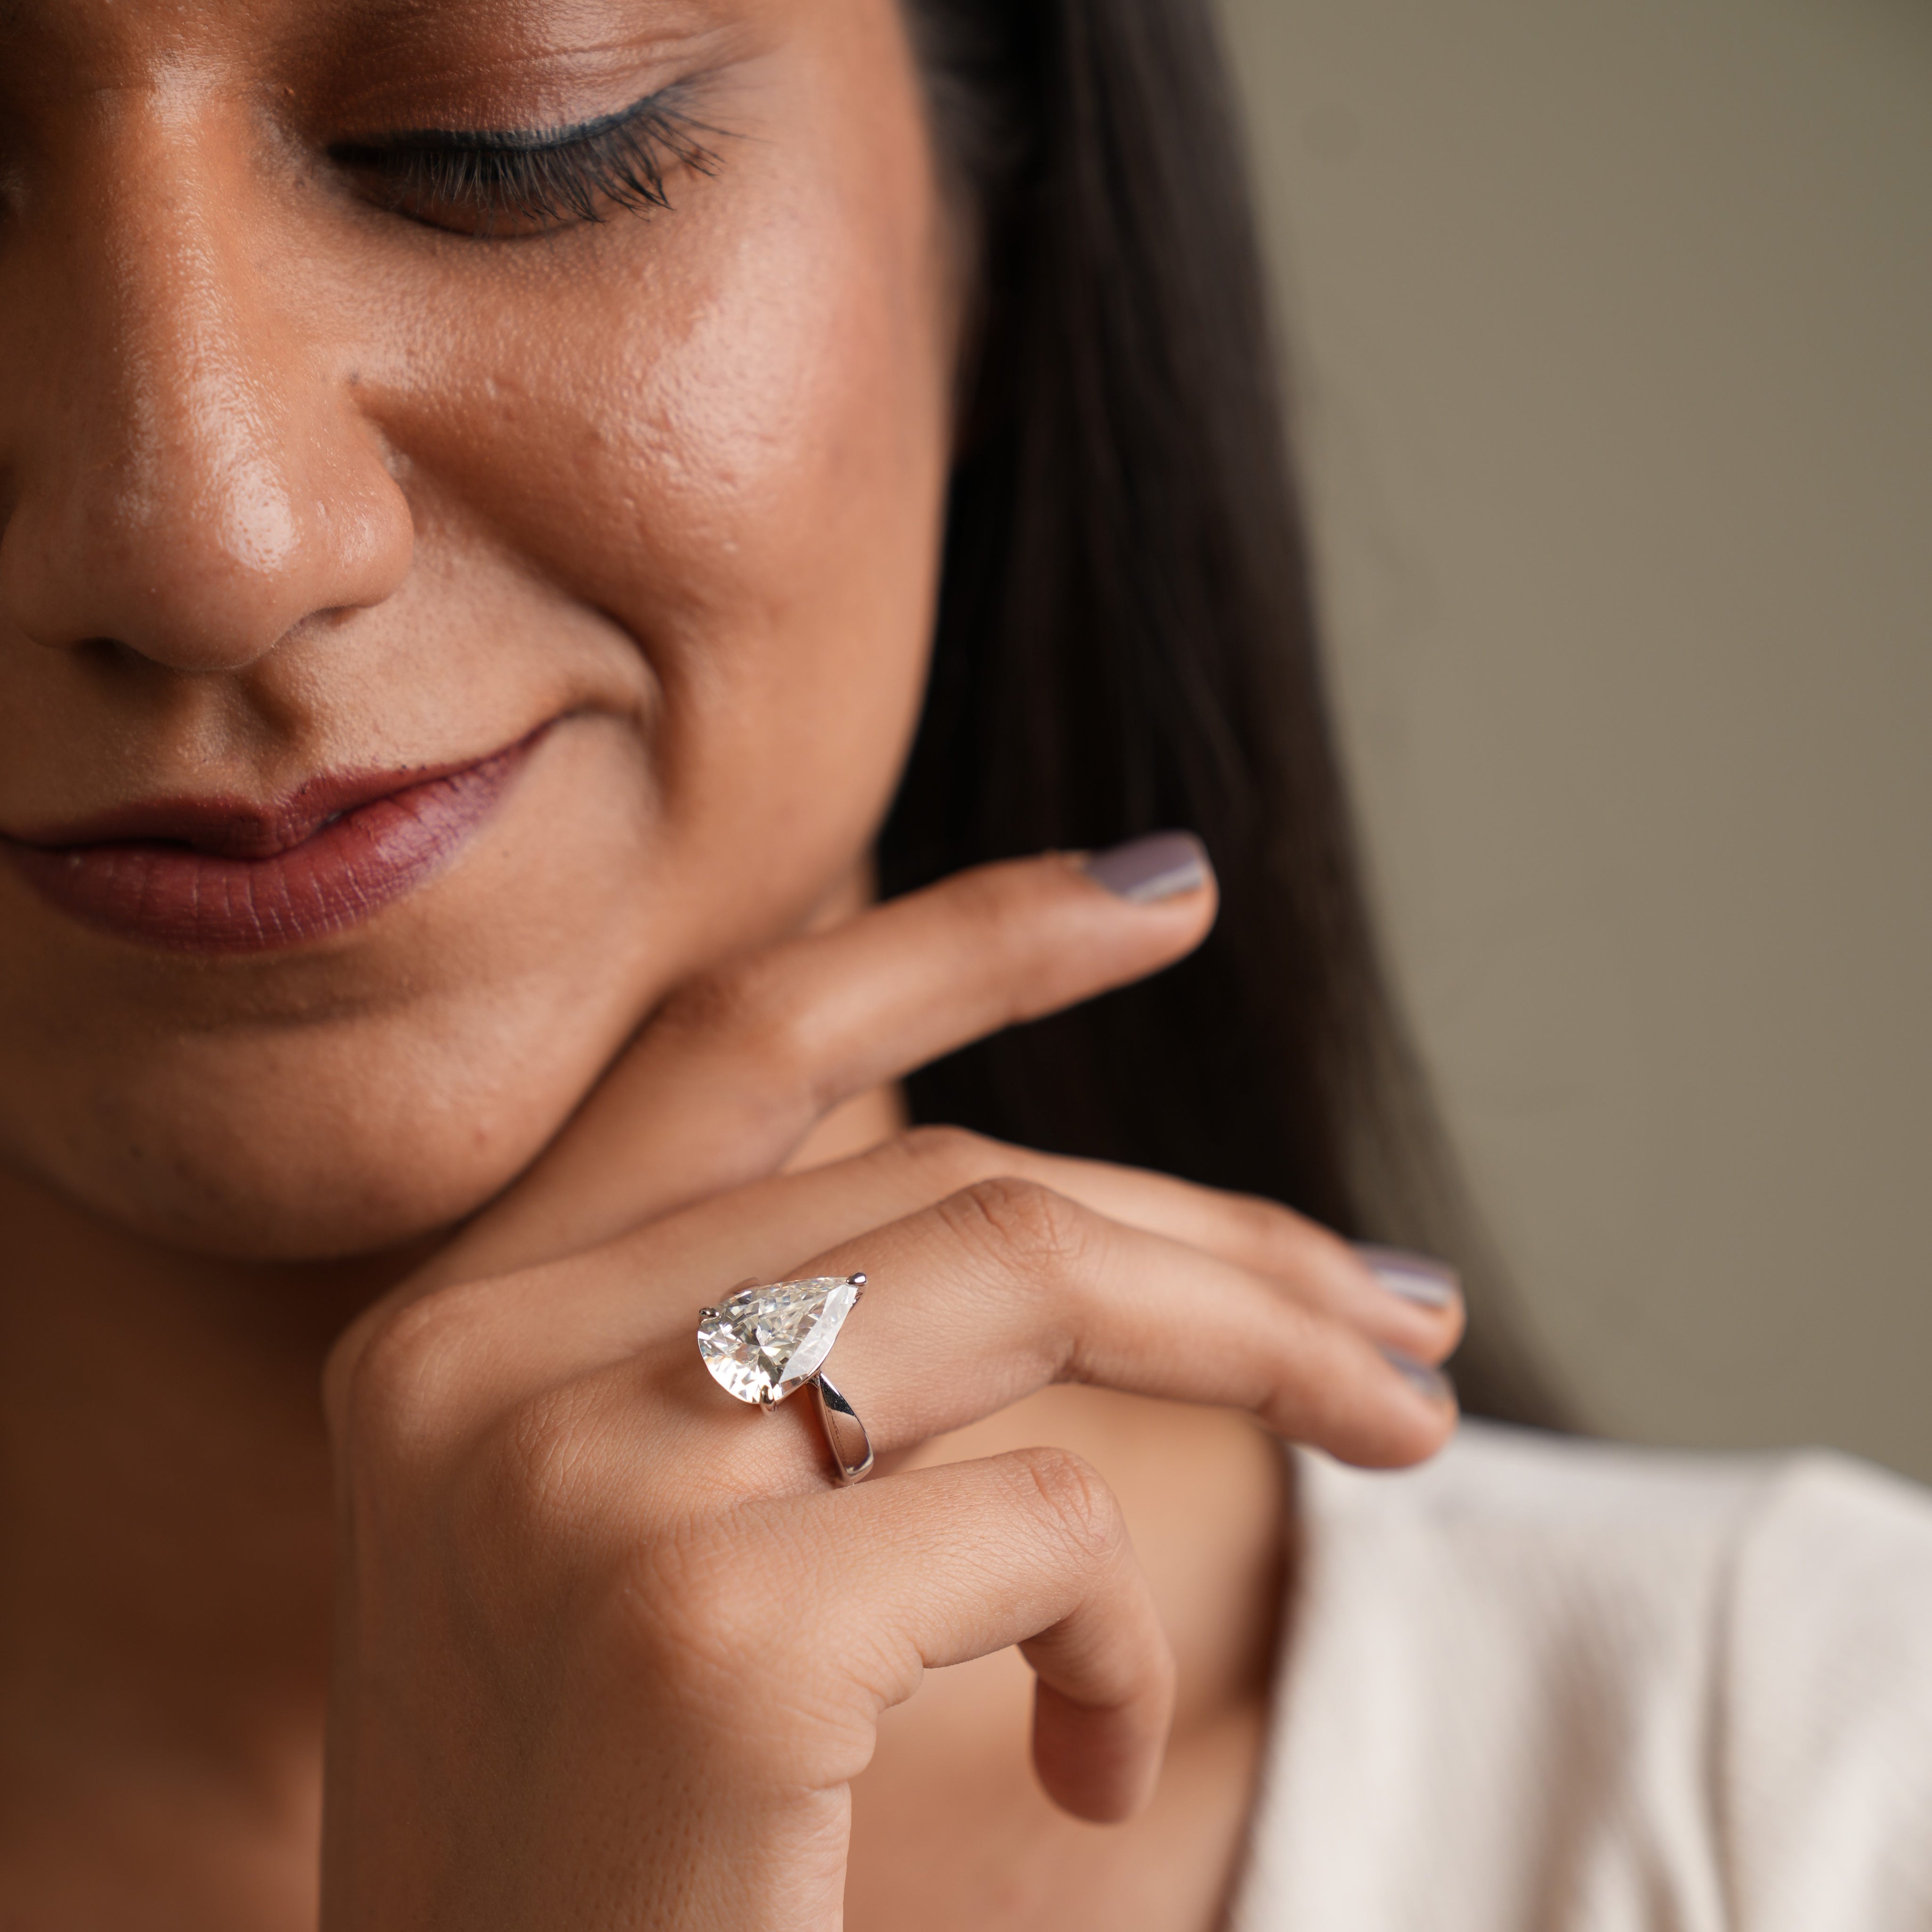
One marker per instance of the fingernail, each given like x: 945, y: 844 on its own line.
x: 1432, y: 1384
x: 1162, y: 865
x: 1416, y: 1278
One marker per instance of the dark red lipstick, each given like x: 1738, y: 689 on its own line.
x: 222, y: 875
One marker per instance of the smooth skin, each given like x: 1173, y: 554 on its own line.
x: 295, y: 480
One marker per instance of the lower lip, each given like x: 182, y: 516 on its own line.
x: 170, y: 895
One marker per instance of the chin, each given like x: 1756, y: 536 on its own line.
x: 290, y: 1213
x: 307, y: 1150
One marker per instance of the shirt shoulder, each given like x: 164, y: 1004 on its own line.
x: 1823, y: 1742
x: 1547, y: 1682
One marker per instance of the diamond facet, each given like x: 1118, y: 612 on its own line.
x: 764, y: 1342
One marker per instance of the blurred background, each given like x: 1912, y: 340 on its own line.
x: 1609, y: 324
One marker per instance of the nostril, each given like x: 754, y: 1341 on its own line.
x: 99, y: 650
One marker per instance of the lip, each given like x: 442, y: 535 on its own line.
x: 226, y: 875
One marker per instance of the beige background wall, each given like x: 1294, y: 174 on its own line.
x: 1612, y: 328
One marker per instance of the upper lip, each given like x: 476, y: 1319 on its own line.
x: 232, y: 827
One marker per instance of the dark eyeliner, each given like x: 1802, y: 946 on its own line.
x: 550, y: 178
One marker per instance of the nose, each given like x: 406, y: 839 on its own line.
x: 189, y: 474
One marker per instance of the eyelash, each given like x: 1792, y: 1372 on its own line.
x: 546, y: 180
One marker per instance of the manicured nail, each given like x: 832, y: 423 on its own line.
x: 1432, y: 1384
x: 1417, y: 1278
x: 1162, y: 865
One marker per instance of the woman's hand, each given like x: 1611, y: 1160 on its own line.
x: 610, y: 1647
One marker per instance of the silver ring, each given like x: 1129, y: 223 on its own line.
x: 767, y: 1340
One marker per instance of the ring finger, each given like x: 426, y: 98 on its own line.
x: 1007, y: 1287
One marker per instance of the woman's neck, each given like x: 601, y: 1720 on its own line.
x: 164, y: 1617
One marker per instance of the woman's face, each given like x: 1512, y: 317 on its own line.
x: 332, y: 466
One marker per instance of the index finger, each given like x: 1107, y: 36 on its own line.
x: 736, y: 1067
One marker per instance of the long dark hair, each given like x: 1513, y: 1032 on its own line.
x: 1126, y: 641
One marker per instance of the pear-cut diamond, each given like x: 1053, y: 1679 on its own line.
x: 763, y: 1342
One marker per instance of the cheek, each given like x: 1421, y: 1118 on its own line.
x: 731, y: 437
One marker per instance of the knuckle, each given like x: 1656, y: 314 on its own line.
x: 746, y: 1005
x: 1024, y: 1224
x: 736, y: 1668
x: 402, y: 1383
x: 1074, y: 1502
x: 1268, y: 1225
x: 948, y: 1158
x: 708, y: 1004
x: 536, y: 1477
x: 693, y: 1604
x: 1322, y: 1248
x: 984, y: 897
x: 1281, y: 1239
x: 703, y: 1619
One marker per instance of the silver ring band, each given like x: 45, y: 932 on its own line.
x: 844, y: 1434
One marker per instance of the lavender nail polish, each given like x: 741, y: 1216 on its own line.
x: 1432, y: 1384
x: 1417, y: 1278
x: 1163, y: 865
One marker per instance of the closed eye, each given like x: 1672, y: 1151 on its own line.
x: 497, y: 182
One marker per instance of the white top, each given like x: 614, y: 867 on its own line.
x: 1542, y: 1685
